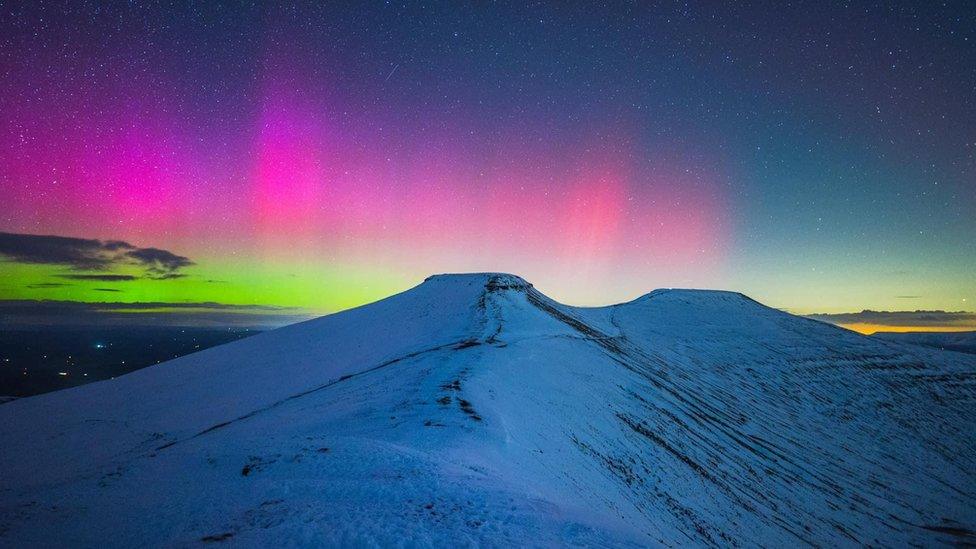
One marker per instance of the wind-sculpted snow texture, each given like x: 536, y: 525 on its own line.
x: 472, y: 409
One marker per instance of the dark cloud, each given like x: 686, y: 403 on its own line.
x: 908, y: 296
x: 78, y: 253
x: 902, y: 318
x: 76, y: 313
x: 99, y: 277
x: 40, y: 285
x: 168, y: 276
x: 106, y: 290
x: 159, y: 264
x: 83, y: 254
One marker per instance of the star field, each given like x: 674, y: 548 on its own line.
x: 817, y: 157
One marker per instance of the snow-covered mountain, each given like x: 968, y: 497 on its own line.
x: 963, y: 342
x: 472, y: 409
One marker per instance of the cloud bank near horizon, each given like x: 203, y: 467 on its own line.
x: 87, y: 254
x: 902, y: 320
x: 31, y: 313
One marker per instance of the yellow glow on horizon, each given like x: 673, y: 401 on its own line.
x: 868, y: 329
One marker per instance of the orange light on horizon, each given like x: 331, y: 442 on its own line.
x: 868, y: 329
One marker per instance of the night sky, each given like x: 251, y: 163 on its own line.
x: 817, y: 158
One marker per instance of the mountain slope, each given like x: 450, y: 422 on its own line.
x: 962, y: 342
x: 473, y: 409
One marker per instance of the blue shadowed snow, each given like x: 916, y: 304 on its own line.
x: 472, y: 410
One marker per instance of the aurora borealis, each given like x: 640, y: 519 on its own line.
x: 819, y: 159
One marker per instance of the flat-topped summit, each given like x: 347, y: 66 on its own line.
x: 494, y: 281
x: 491, y: 281
x: 474, y: 410
x: 699, y: 297
x: 698, y: 293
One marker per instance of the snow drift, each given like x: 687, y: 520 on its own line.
x: 472, y: 409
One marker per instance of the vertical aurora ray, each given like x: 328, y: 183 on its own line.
x: 326, y: 156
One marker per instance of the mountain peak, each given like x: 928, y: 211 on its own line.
x: 490, y: 281
x: 695, y: 293
x: 478, y: 409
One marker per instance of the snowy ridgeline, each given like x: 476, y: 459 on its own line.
x: 474, y: 410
